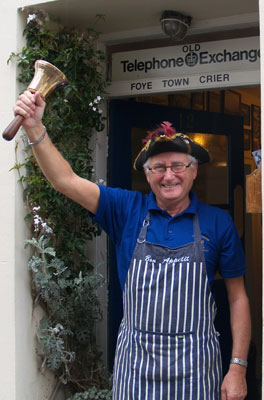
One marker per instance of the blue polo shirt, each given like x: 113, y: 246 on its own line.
x: 121, y: 214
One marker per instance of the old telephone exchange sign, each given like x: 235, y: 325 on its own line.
x: 197, y: 66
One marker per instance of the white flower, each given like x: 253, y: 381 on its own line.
x: 58, y: 328
x: 37, y: 221
x: 90, y: 104
x: 46, y: 228
x: 101, y: 181
x: 31, y: 17
x: 94, y: 109
x: 97, y: 99
x: 66, y: 101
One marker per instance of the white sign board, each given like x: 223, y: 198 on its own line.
x: 198, y: 66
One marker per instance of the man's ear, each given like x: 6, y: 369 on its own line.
x: 195, y: 170
x: 146, y: 175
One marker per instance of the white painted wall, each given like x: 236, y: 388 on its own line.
x: 8, y: 203
x: 20, y: 376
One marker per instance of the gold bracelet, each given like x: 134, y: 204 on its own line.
x: 40, y: 139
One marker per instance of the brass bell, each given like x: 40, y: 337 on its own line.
x: 47, y: 77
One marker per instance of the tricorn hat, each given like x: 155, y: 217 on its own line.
x: 165, y: 139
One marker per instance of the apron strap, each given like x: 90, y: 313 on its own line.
x: 143, y: 232
x: 197, y: 235
x: 196, y: 229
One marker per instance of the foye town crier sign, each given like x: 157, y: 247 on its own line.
x: 197, y: 66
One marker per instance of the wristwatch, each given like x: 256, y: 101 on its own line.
x: 239, y: 361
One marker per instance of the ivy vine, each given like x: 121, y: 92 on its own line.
x: 64, y: 280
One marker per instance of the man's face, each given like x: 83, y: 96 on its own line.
x: 171, y: 188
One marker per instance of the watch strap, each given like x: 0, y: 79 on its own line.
x: 239, y: 361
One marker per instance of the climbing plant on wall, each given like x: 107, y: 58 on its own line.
x: 64, y: 280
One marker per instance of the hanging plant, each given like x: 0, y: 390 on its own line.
x: 64, y: 280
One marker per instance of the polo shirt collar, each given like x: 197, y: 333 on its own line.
x: 192, y: 209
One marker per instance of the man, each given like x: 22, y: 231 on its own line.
x: 169, y: 246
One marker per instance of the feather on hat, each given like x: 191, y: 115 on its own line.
x: 165, y: 139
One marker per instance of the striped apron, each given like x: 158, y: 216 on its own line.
x: 167, y: 345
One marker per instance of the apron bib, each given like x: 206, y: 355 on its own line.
x: 167, y: 346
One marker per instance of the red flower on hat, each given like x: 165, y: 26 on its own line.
x: 165, y: 128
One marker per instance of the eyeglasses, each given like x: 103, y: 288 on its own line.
x: 175, y: 168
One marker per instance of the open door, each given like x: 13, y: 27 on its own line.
x: 221, y: 185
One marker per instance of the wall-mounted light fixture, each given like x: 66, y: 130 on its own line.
x: 174, y: 24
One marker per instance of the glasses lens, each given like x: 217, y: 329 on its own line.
x: 178, y: 167
x: 159, y: 169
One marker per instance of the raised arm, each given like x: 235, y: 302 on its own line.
x: 56, y: 169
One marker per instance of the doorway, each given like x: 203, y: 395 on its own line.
x: 129, y: 121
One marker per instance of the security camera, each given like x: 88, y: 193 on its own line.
x: 174, y: 24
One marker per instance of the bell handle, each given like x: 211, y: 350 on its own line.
x: 13, y: 127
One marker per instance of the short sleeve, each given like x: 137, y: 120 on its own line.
x: 116, y: 208
x: 231, y: 257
